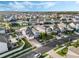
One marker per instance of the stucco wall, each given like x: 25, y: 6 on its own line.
x: 3, y: 47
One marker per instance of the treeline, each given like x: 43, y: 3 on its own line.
x: 57, y: 12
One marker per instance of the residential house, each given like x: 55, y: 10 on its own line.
x: 49, y: 30
x: 72, y: 25
x: 30, y: 33
x: 62, y: 27
x: 76, y: 19
x: 3, y: 43
x: 2, y: 31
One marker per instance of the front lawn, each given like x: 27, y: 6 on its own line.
x: 27, y: 44
x: 44, y: 37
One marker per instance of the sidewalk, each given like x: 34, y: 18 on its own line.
x: 60, y: 49
x: 53, y: 54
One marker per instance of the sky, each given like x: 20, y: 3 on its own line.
x: 39, y: 5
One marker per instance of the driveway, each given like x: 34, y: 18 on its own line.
x: 35, y: 43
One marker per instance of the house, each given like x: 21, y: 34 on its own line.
x: 8, y: 17
x: 62, y: 27
x: 31, y: 33
x: 12, y: 39
x: 72, y: 25
x: 55, y: 21
x: 36, y: 32
x: 19, y: 35
x: 56, y: 29
x: 47, y: 20
x: 3, y: 43
x: 40, y: 28
x: 69, y: 28
x: 76, y: 19
x: 77, y: 27
x: 49, y: 30
x: 2, y: 31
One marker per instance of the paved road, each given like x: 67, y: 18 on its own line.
x: 49, y: 46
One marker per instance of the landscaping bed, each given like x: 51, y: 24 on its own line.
x: 43, y: 55
x: 63, y: 52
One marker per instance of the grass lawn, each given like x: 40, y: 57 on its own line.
x: 43, y: 55
x: 76, y: 44
x: 44, y: 37
x: 27, y: 44
x: 63, y: 52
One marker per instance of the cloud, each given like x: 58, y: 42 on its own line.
x: 77, y: 2
x: 26, y: 6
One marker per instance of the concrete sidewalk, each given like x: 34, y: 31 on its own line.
x: 53, y: 54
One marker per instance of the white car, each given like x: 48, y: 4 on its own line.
x: 37, y: 55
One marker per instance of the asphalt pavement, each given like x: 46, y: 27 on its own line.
x: 50, y: 45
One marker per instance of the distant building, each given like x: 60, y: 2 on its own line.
x: 72, y: 25
x: 76, y: 19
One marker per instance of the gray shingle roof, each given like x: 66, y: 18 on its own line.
x: 29, y: 32
x: 4, y: 38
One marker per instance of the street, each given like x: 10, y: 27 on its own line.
x: 49, y: 46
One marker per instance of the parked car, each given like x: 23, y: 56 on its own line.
x: 37, y: 55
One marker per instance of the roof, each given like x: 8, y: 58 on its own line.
x: 4, y: 38
x: 29, y: 32
x: 72, y: 25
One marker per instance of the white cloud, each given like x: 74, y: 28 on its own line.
x: 21, y: 6
x: 77, y: 2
